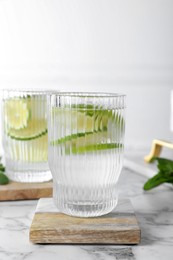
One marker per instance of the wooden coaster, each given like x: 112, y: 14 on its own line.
x: 25, y: 191
x: 118, y: 227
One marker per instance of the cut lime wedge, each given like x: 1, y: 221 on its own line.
x: 16, y: 113
x: 34, y: 129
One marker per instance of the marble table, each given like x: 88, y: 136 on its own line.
x: 154, y: 211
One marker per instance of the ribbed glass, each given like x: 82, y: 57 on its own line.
x: 25, y: 138
x: 86, y: 140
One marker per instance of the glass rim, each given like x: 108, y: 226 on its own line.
x: 31, y: 91
x: 88, y: 94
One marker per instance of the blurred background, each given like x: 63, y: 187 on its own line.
x: 95, y: 45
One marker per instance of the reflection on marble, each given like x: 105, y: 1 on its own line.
x: 154, y: 211
x: 45, y: 205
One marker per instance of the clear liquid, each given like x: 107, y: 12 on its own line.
x: 85, y: 158
x: 26, y: 145
x: 85, y: 185
x: 26, y: 161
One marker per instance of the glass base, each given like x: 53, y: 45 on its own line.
x: 85, y: 202
x: 29, y: 176
x: 27, y: 172
x: 87, y: 209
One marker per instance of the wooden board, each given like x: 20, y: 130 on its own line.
x: 118, y: 227
x: 25, y: 191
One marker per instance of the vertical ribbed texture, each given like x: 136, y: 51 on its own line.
x: 86, y: 139
x: 25, y: 136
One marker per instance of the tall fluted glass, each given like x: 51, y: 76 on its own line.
x: 86, y: 140
x: 25, y: 138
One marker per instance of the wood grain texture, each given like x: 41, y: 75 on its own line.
x: 117, y: 227
x: 25, y: 191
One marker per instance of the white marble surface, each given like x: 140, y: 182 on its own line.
x: 154, y: 212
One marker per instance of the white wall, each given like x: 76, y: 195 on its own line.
x: 94, y: 45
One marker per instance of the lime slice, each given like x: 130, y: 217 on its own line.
x: 16, y: 113
x: 95, y: 147
x: 79, y: 123
x: 82, y: 119
x: 84, y: 138
x: 35, y: 151
x: 37, y: 106
x: 34, y: 129
x: 86, y: 142
x: 88, y: 129
x: 72, y: 119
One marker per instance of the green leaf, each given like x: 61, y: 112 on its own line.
x: 2, y: 168
x: 165, y: 166
x: 155, y: 181
x: 3, y: 179
x: 170, y: 179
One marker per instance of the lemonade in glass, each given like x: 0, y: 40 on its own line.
x: 25, y: 138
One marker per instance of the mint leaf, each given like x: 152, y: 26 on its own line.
x: 165, y: 165
x: 3, y: 179
x: 165, y: 174
x: 155, y: 181
x: 2, y: 168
